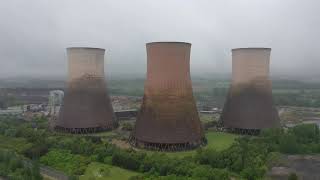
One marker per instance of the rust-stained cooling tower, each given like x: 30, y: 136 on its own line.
x: 168, y: 118
x: 249, y: 105
x: 86, y: 106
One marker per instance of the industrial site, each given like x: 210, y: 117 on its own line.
x: 159, y: 92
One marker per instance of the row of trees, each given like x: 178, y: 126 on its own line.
x: 302, y: 98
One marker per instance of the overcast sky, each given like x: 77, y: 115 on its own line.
x: 35, y: 33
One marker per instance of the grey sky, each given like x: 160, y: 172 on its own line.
x: 35, y: 33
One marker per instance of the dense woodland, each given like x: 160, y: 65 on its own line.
x: 14, y: 167
x: 248, y: 158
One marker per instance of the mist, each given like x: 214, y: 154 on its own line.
x: 34, y: 34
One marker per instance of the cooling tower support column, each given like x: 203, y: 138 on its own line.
x: 168, y: 119
x: 86, y: 107
x: 249, y: 107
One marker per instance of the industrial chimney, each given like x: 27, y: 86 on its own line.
x: 86, y: 107
x: 168, y: 119
x: 249, y: 107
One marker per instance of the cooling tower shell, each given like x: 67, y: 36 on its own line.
x: 168, y: 118
x: 249, y: 103
x: 87, y: 106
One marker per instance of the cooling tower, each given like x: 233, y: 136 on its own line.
x: 168, y: 119
x: 249, y: 107
x: 86, y: 107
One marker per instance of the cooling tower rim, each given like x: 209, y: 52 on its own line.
x: 85, y: 48
x: 251, y: 48
x: 167, y: 42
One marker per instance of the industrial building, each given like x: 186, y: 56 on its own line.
x: 168, y: 119
x: 55, y: 102
x: 249, y: 107
x: 86, y: 107
x: 54, y: 105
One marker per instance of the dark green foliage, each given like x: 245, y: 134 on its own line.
x: 247, y: 158
x: 293, y: 176
x: 64, y: 160
x: 128, y: 160
x: 127, y: 126
x: 301, y: 139
x: 36, y: 151
x: 288, y: 144
x: 13, y: 167
x: 306, y: 133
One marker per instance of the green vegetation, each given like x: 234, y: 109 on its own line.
x: 220, y: 141
x: 16, y: 144
x: 14, y: 167
x: 105, y: 134
x: 65, y: 161
x: 217, y: 141
x: 106, y: 172
x: 225, y: 156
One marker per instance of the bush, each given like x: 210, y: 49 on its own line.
x: 12, y: 166
x: 127, y: 126
x: 65, y: 161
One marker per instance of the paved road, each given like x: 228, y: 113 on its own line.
x: 53, y: 173
x: 48, y: 171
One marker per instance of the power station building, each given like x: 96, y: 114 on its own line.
x: 86, y: 107
x: 249, y: 107
x: 168, y: 119
x: 54, y: 104
x: 55, y: 101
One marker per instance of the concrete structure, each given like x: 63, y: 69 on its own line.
x: 55, y: 102
x: 87, y: 106
x: 249, y: 105
x: 54, y: 105
x: 168, y: 119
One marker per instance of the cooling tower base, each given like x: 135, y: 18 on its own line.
x: 251, y: 132
x: 165, y: 147
x: 83, y: 130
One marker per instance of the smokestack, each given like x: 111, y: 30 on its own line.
x: 249, y: 107
x: 87, y: 106
x: 168, y: 118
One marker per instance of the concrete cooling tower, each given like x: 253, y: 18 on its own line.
x: 249, y: 107
x: 86, y: 107
x: 168, y: 119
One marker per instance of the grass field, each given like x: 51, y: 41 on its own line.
x: 106, y: 172
x: 104, y: 134
x: 17, y: 144
x: 219, y: 140
x: 216, y: 140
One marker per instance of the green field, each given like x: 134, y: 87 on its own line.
x: 103, y: 171
x: 104, y: 134
x: 17, y: 144
x: 219, y: 140
x: 216, y: 140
